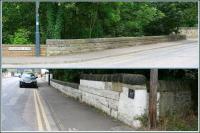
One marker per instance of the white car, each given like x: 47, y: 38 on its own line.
x: 17, y: 74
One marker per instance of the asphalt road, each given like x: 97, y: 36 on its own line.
x: 46, y: 109
x: 179, y: 54
x: 17, y: 112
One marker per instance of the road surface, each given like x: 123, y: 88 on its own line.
x: 179, y: 54
x: 46, y: 109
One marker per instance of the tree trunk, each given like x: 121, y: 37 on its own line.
x: 153, y: 98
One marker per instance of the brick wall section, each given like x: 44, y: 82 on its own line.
x: 14, y: 53
x: 70, y: 46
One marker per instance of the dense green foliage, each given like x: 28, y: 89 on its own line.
x: 17, y: 19
x: 21, y: 36
x: 73, y: 75
x: 176, y: 15
x: 93, y: 20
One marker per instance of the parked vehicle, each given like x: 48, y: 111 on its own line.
x: 28, y: 79
x: 17, y: 74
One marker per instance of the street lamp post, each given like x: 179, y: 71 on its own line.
x: 0, y: 35
x: 37, y: 32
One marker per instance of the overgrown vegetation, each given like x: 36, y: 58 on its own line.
x: 179, y: 122
x: 73, y: 75
x: 93, y: 20
x: 187, y: 121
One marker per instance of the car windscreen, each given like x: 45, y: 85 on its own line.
x: 28, y: 75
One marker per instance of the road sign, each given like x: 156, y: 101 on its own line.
x: 19, y: 48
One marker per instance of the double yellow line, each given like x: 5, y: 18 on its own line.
x: 42, y: 121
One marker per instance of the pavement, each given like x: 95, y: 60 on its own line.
x: 46, y: 109
x: 178, y: 54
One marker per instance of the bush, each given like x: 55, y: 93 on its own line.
x: 21, y: 36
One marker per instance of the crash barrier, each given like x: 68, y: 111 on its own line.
x: 16, y: 50
x: 190, y: 32
x: 125, y: 96
x: 70, y: 46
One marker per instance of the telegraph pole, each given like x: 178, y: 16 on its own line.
x: 37, y: 32
x: 153, y: 98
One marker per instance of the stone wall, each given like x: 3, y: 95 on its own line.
x: 130, y: 109
x: 111, y: 97
x: 16, y: 50
x: 114, y: 97
x: 175, y: 96
x: 73, y: 92
x: 70, y: 46
x: 103, y: 99
x: 190, y: 32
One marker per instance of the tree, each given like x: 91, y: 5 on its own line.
x: 135, y: 16
x: 4, y: 70
x: 54, y: 20
x: 95, y: 20
x: 176, y: 15
x: 18, y: 16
